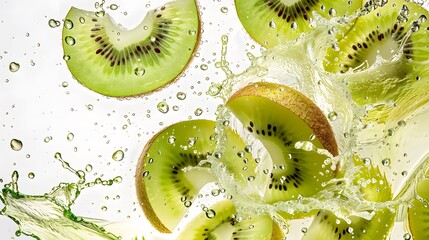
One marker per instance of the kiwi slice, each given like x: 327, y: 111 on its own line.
x: 220, y: 222
x: 398, y: 27
x: 418, y: 212
x: 165, y: 184
x: 374, y: 186
x: 281, y: 117
x: 270, y: 22
x: 114, y: 61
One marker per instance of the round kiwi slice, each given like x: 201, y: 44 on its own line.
x: 282, y: 118
x: 165, y: 183
x: 398, y: 27
x: 418, y: 212
x: 375, y: 187
x: 270, y: 22
x: 220, y: 222
x: 114, y: 61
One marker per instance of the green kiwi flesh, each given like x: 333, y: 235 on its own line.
x: 220, y: 222
x: 165, y: 185
x: 271, y: 22
x: 418, y: 212
x: 114, y: 61
x: 280, y: 117
x: 374, y: 187
x: 398, y: 27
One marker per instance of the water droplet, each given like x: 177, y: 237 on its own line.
x: 152, y: 38
x: 68, y: 24
x: 171, y: 139
x: 88, y: 168
x: 332, y: 116
x: 118, y: 155
x: 332, y: 12
x: 13, y: 66
x: 272, y: 24
x: 224, y: 9
x: 385, y: 162
x: 176, y: 108
x: 113, y: 6
x: 31, y: 175
x: 407, y: 236
x: 192, y: 141
x: 16, y: 145
x: 294, y: 26
x: 66, y: 57
x: 304, y: 230
x: 210, y: 213
x: 90, y: 107
x: 192, y: 32
x: 250, y: 178
x: 82, y: 20
x: 198, y: 112
x: 145, y: 173
x: 100, y: 13
x: 70, y: 136
x: 187, y: 203
x: 53, y: 23
x: 181, y: 95
x: 139, y: 71
x: 404, y: 173
x: 163, y: 107
x: 103, y: 208
x: 402, y: 123
x: 70, y: 40
x: 214, y: 90
x: 215, y: 192
x: 204, y: 67
x: 367, y: 161
x: 47, y: 139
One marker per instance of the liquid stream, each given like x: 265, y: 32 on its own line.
x: 298, y: 65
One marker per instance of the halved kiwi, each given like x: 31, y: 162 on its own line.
x: 418, y: 212
x: 165, y: 184
x: 375, y: 187
x: 270, y: 22
x: 398, y: 27
x: 280, y: 118
x: 220, y: 222
x: 114, y: 61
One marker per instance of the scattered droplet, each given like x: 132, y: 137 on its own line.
x: 118, y: 155
x: 14, y: 67
x: 16, y: 145
x: 198, y: 112
x: 31, y: 175
x: 113, y: 6
x: 304, y: 230
x: 163, y: 107
x: 332, y: 116
x: 139, y: 71
x: 385, y: 162
x: 53, y: 23
x: 88, y: 168
x: 70, y: 40
x: 404, y: 173
x: 82, y: 20
x: 407, y: 236
x: 171, y: 139
x: 215, y: 192
x: 100, y: 13
x: 181, y: 95
x: 210, y: 213
x: 47, y: 139
x: 70, y: 136
x: 192, y: 32
x: 402, y: 123
x: 204, y: 67
x: 68, y: 24
x: 294, y: 26
x: 332, y: 12
x: 66, y: 57
x: 272, y: 24
x: 224, y: 9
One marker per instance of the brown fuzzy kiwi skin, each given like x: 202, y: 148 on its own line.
x: 141, y: 190
x: 299, y: 104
